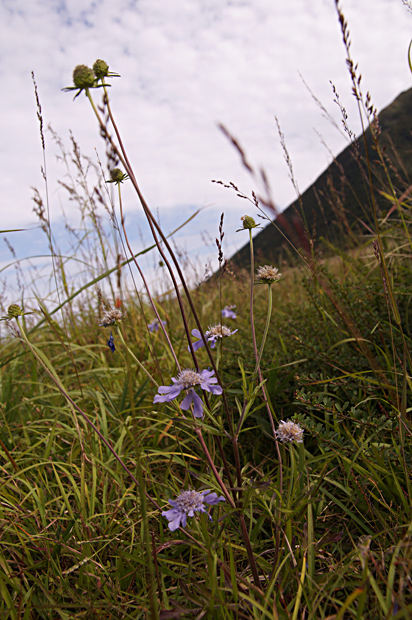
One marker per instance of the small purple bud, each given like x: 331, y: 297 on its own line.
x: 110, y: 343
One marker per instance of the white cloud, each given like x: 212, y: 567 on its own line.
x: 185, y: 66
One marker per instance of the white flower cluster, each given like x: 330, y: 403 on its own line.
x: 268, y: 274
x: 111, y: 317
x: 289, y: 431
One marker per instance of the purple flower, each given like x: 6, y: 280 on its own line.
x: 154, y: 325
x: 110, y: 343
x: 186, y: 504
x: 186, y: 380
x: 212, y: 334
x: 228, y: 312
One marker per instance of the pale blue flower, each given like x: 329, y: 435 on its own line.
x: 228, y: 312
x: 186, y: 504
x: 186, y: 380
x: 212, y: 334
x: 154, y: 325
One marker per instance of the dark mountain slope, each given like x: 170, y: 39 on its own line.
x: 337, y: 207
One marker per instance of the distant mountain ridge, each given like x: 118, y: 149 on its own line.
x: 338, y: 204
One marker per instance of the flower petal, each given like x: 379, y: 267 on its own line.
x: 170, y: 389
x: 196, y: 345
x: 215, y: 389
x: 187, y: 401
x: 199, y: 343
x: 197, y: 406
x: 213, y: 499
x: 167, y: 393
x: 207, y: 375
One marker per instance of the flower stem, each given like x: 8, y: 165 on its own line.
x: 119, y: 332
x: 162, y: 327
x: 257, y: 368
x: 252, y: 277
x: 220, y: 482
x: 265, y: 333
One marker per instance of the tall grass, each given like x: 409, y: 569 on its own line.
x: 280, y: 527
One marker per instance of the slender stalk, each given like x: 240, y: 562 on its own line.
x: 243, y: 527
x: 257, y: 368
x: 252, y: 279
x: 265, y: 332
x: 120, y: 334
x: 219, y: 480
x: 144, y: 281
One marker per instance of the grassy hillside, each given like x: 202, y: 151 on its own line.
x: 337, y: 207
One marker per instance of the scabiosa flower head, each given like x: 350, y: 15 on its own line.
x: 187, y: 380
x: 154, y: 325
x: 212, y: 334
x: 248, y: 222
x: 268, y: 274
x: 289, y: 431
x: 113, y: 316
x: 228, y: 312
x: 117, y: 176
x: 83, y: 77
x: 13, y: 311
x: 100, y: 69
x: 186, y: 504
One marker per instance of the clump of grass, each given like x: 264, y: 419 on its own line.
x: 241, y: 450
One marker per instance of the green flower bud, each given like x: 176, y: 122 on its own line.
x: 248, y: 222
x: 14, y: 311
x: 83, y: 77
x: 100, y: 69
x: 117, y: 176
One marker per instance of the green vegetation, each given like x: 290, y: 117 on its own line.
x: 288, y: 434
x: 337, y: 208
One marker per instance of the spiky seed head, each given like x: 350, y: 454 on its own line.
x: 100, y: 69
x: 83, y: 77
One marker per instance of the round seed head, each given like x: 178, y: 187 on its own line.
x: 83, y: 77
x: 14, y: 311
x: 117, y: 175
x: 100, y: 69
x: 248, y: 222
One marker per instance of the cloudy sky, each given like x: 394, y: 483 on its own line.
x: 187, y: 65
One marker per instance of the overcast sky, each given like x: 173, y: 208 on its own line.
x: 187, y: 65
